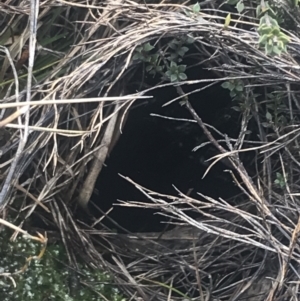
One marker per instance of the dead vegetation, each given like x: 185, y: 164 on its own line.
x: 65, y: 68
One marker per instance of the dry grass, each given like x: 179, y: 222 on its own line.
x: 64, y: 100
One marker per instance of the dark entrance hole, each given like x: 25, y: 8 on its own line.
x: 157, y: 153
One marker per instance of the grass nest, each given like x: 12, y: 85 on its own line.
x: 67, y: 70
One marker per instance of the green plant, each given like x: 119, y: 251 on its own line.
x: 265, y: 7
x: 196, y: 8
x: 236, y: 87
x: 165, y: 63
x: 153, y: 66
x: 176, y: 72
x: 179, y: 50
x: 193, y: 10
x: 142, y: 52
x: 271, y: 37
x: 275, y: 111
x: 280, y: 180
x: 48, y: 278
x: 239, y: 4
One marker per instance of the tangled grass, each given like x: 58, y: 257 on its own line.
x: 65, y: 69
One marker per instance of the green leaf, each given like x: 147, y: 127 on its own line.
x: 227, y: 21
x: 263, y: 39
x: 225, y: 85
x: 147, y: 47
x: 268, y: 48
x: 190, y: 40
x: 284, y: 49
x: 263, y: 20
x: 185, y: 49
x: 181, y: 53
x: 139, y: 49
x: 274, y: 22
x: 269, y: 116
x: 136, y: 56
x: 196, y: 8
x: 240, y: 6
x: 168, y: 73
x: 284, y: 38
x: 239, y: 88
x: 275, y: 31
x: 258, y: 11
x: 173, y: 64
x: 154, y: 57
x: 236, y: 108
x: 173, y: 46
x: 173, y: 77
x: 264, y: 29
x: 182, y: 76
x: 231, y: 86
x: 276, y: 50
x: 181, y: 68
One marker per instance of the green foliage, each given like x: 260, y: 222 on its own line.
x: 272, y: 20
x: 271, y: 37
x: 280, y: 180
x: 142, y: 52
x: 236, y: 87
x: 240, y: 6
x: 196, y: 8
x: 193, y: 10
x: 275, y: 111
x: 166, y: 63
x: 48, y: 278
x: 178, y: 49
x: 176, y: 72
x: 227, y: 21
x: 264, y: 7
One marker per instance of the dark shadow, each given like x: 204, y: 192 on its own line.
x: 158, y: 153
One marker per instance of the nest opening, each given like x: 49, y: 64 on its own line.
x: 157, y: 153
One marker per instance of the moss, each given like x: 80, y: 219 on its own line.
x: 49, y: 278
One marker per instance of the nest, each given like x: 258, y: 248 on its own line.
x: 59, y: 125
